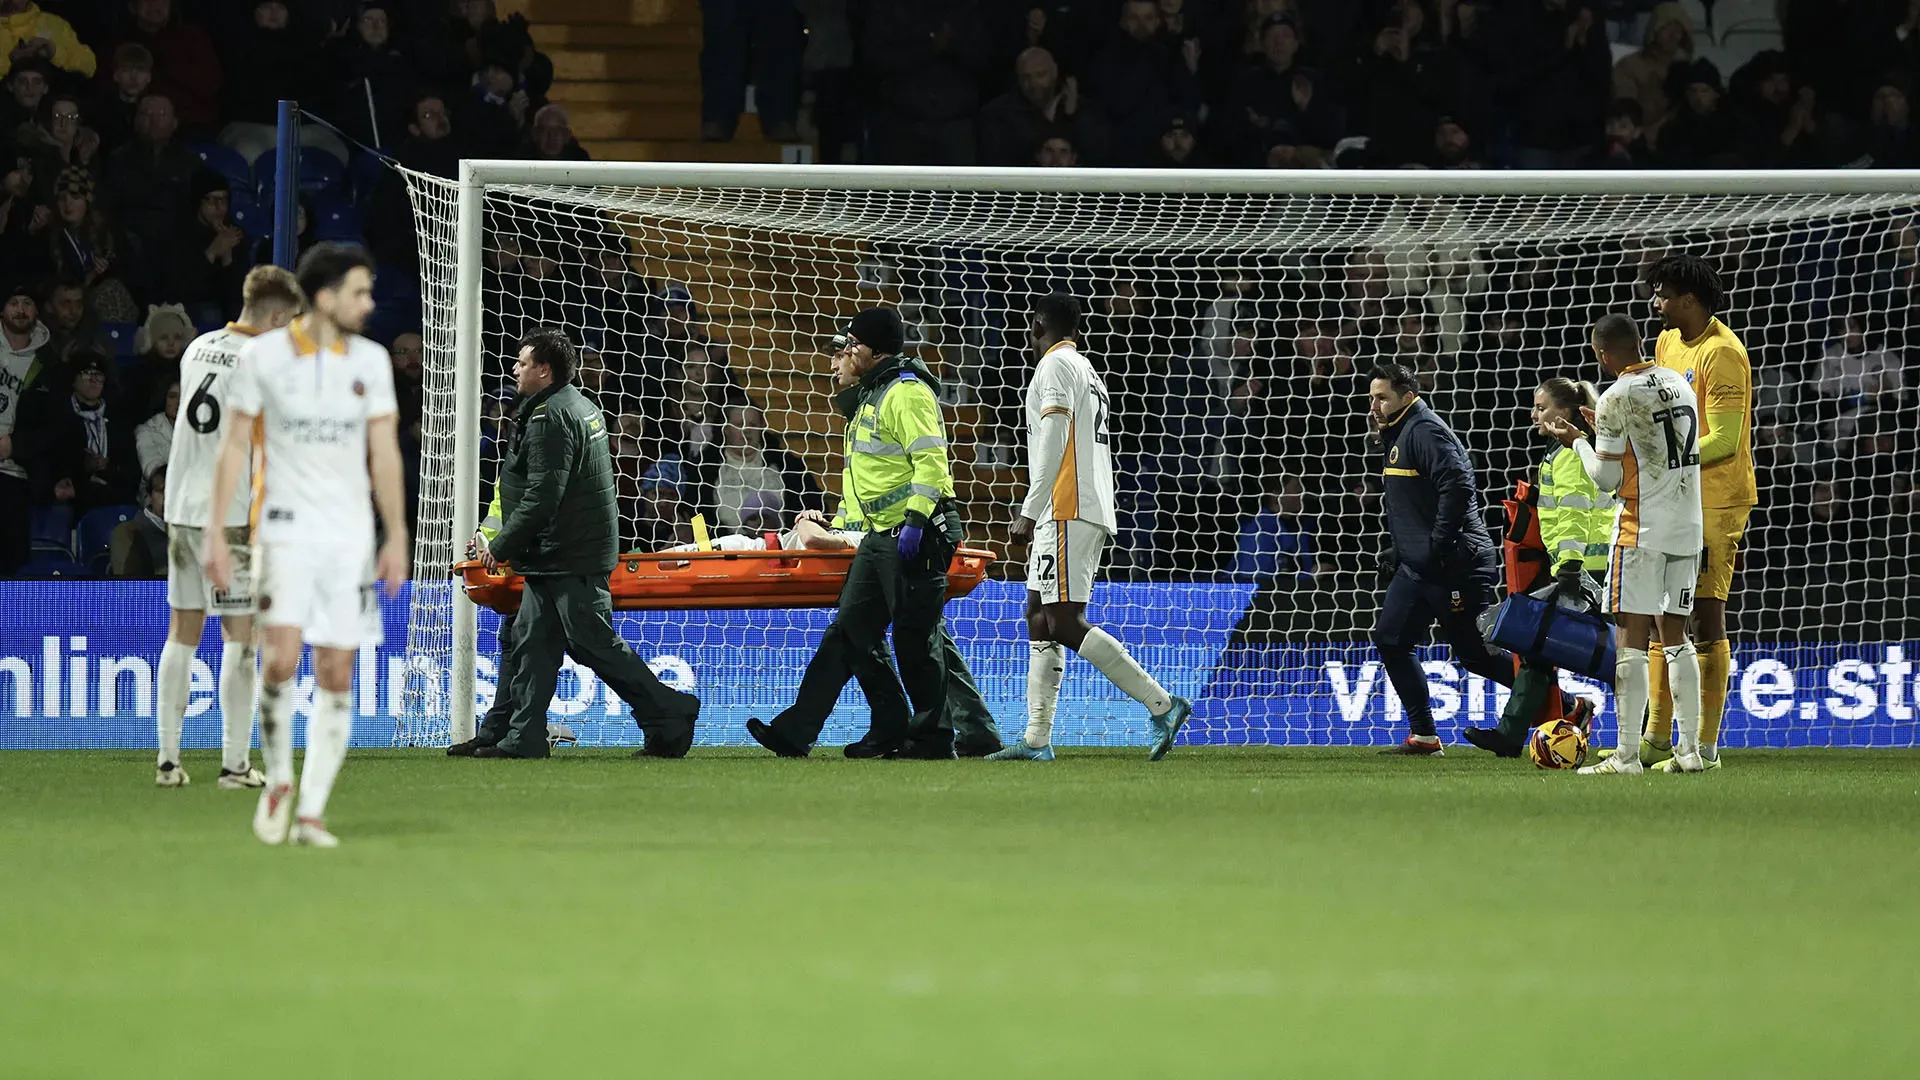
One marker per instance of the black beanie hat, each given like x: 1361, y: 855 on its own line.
x: 880, y: 329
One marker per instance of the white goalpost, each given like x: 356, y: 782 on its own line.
x: 1234, y: 315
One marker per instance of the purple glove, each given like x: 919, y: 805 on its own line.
x: 909, y: 542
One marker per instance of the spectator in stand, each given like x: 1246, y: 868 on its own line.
x: 1859, y: 380
x: 1141, y: 76
x: 186, y: 69
x: 267, y: 61
x: 1042, y: 104
x: 486, y: 37
x: 751, y: 471
x: 431, y: 146
x: 1561, y: 81
x: 21, y: 338
x: 66, y: 317
x: 1890, y: 138
x: 160, y: 341
x: 928, y: 57
x: 1386, y: 99
x: 1264, y: 104
x: 82, y: 436
x: 114, y: 104
x: 85, y: 247
x: 496, y: 110
x: 1642, y: 77
x: 1699, y: 134
x: 1452, y: 146
x: 1070, y: 30
x: 1775, y: 126
x: 153, y: 439
x: 211, y: 257
x: 1179, y: 146
x: 1276, y: 544
x: 150, y: 180
x: 1056, y: 152
x: 769, y: 31
x: 23, y: 219
x: 371, y: 81
x: 138, y: 548
x: 1625, y: 144
x: 260, y: 252
x: 1840, y: 46
x: 551, y: 137
x: 28, y: 33
x: 27, y: 86
x: 827, y: 68
x: 61, y: 143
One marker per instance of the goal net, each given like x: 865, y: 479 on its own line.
x: 1235, y: 317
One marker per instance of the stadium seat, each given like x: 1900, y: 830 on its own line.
x: 320, y: 172
x: 365, y: 174
x: 54, y: 567
x: 338, y: 222
x: 120, y: 335
x: 227, y: 163
x: 94, y: 536
x: 51, y: 529
x: 253, y: 220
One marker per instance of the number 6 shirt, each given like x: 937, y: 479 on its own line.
x: 205, y: 370
x: 1649, y: 421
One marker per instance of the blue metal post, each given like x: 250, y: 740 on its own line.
x: 286, y: 187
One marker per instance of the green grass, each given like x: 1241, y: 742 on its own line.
x: 1226, y: 913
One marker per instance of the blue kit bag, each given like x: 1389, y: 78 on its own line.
x: 1538, y: 628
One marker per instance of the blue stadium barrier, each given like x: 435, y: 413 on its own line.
x: 78, y: 662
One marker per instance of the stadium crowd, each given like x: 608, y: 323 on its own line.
x: 142, y: 136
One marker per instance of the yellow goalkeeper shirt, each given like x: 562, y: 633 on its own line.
x: 1715, y: 365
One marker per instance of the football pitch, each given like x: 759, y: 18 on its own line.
x: 1314, y: 913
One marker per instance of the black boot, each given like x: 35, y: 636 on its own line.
x: 1493, y: 740
x: 925, y: 750
x: 764, y: 734
x: 467, y: 749
x: 872, y: 747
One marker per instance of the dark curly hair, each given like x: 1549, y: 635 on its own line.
x: 1689, y: 275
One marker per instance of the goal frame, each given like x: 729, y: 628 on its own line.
x: 477, y: 176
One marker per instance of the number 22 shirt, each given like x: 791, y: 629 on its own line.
x: 1074, y: 480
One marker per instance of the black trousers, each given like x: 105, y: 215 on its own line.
x: 1409, y: 610
x: 567, y: 613
x: 879, y: 592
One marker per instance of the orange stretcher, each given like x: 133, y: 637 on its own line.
x: 663, y: 581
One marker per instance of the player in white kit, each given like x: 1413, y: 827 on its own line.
x: 269, y: 299
x: 1647, y: 428
x: 324, y: 398
x: 1068, y: 514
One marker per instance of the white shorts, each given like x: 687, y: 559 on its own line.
x: 332, y: 600
x: 187, y: 586
x: 1641, y: 581
x: 1064, y: 560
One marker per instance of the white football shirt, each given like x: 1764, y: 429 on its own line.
x: 314, y: 406
x: 1649, y: 421
x: 205, y: 370
x: 1073, y: 481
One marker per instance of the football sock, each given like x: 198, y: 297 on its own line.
x: 1683, y: 671
x: 1046, y: 663
x: 1716, y: 664
x: 176, y: 677
x: 236, y: 705
x: 327, y: 734
x: 1660, y: 693
x: 276, y: 731
x: 1103, y: 652
x: 1630, y: 696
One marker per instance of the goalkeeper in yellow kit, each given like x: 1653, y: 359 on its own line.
x: 1687, y: 294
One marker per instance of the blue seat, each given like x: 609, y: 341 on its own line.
x: 120, y: 335
x: 93, y: 538
x: 227, y: 163
x: 253, y: 220
x: 338, y: 222
x: 366, y: 173
x: 53, y: 567
x: 51, y: 530
x: 320, y: 173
